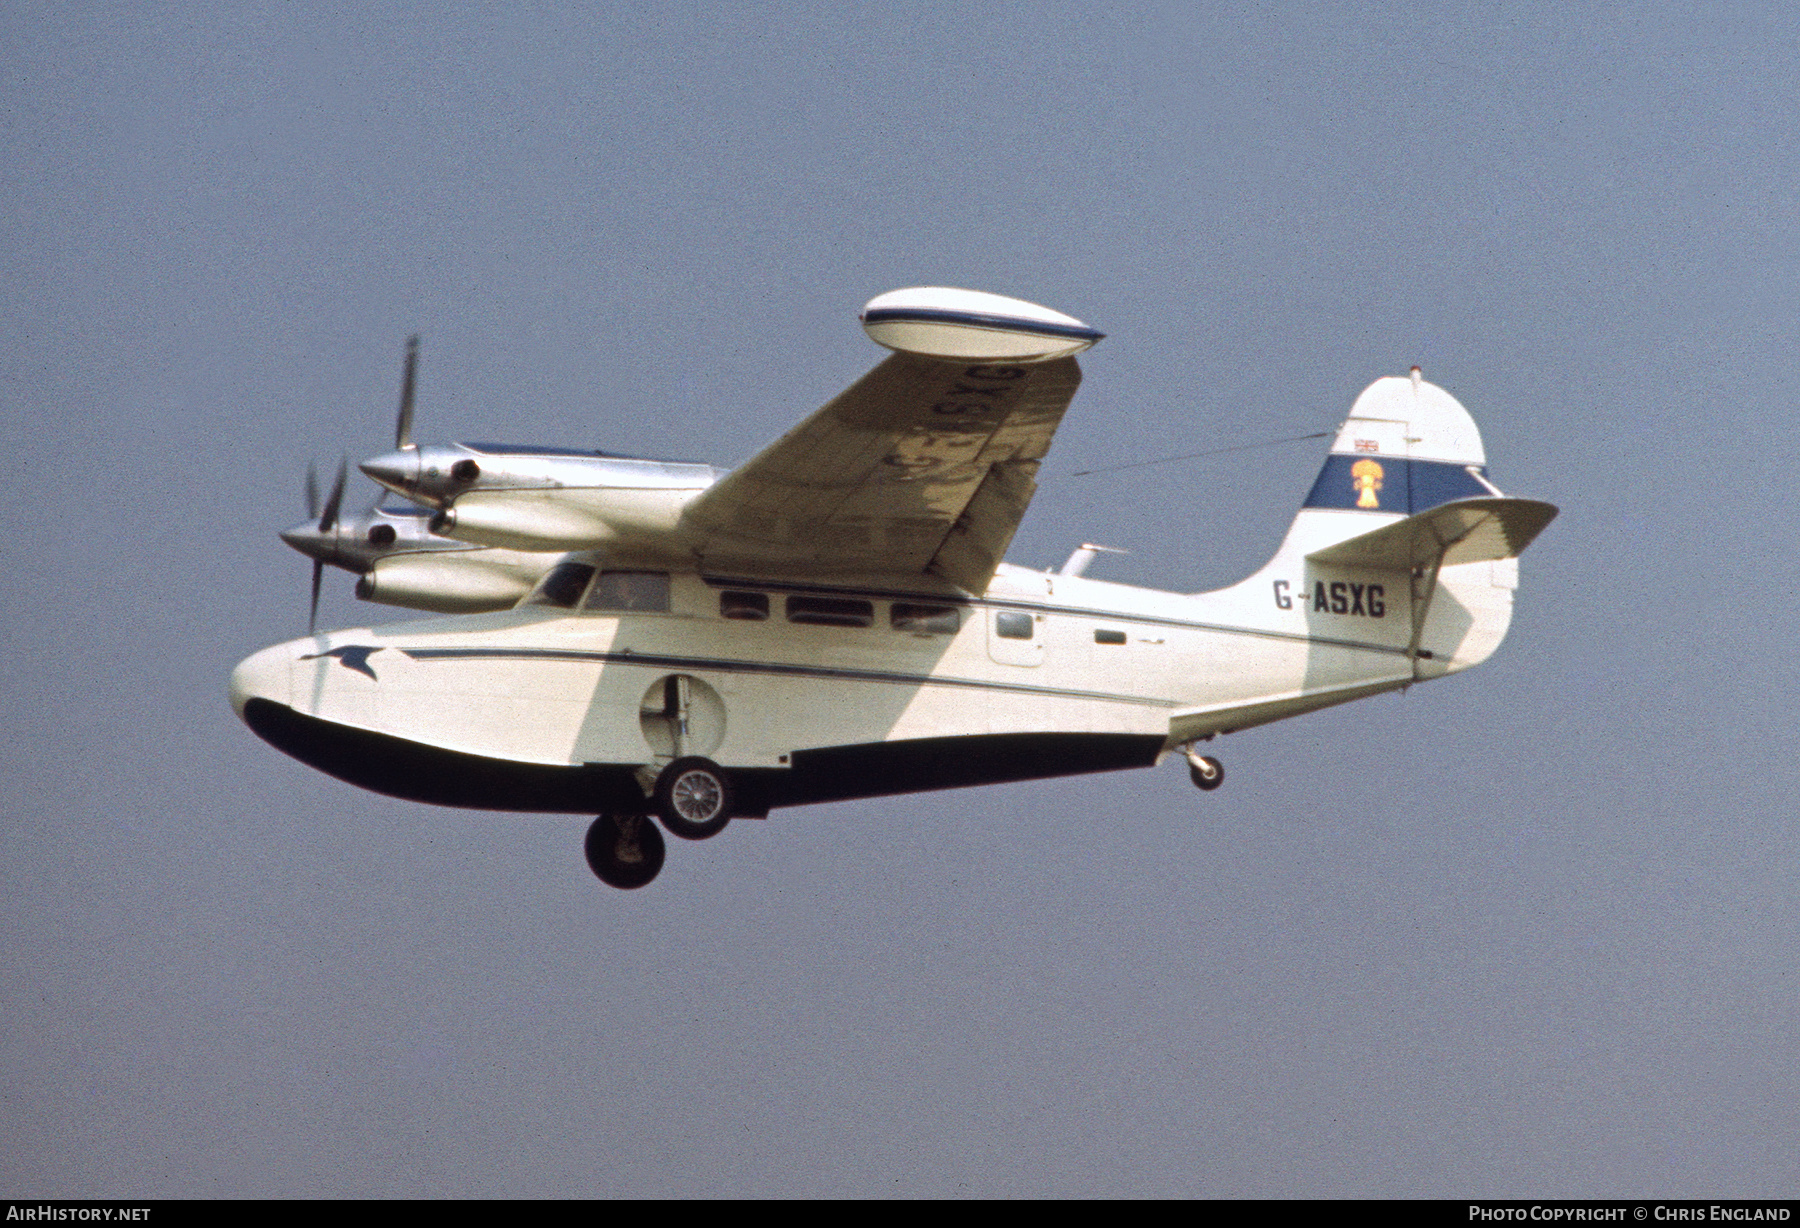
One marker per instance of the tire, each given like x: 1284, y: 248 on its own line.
x: 693, y: 798
x: 624, y: 850
x: 1209, y: 779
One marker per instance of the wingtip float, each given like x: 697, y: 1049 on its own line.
x: 972, y: 326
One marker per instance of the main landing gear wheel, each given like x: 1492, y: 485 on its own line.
x: 1206, y: 772
x: 624, y: 850
x: 693, y: 798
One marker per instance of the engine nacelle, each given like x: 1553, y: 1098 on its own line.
x: 564, y: 520
x: 448, y: 583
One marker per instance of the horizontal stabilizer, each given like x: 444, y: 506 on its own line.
x: 1464, y: 531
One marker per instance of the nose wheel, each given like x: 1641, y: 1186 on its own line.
x: 625, y: 850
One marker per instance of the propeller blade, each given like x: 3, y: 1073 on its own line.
x: 403, y: 426
x: 312, y: 619
x: 328, y: 519
x: 312, y: 491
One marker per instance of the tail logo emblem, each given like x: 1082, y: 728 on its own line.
x: 1365, y: 479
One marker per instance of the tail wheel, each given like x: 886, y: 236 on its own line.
x: 1206, y: 772
x: 624, y: 850
x: 693, y: 798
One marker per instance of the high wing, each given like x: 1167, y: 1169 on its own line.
x: 924, y: 467
x: 921, y: 470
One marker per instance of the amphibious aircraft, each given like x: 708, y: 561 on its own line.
x: 832, y: 619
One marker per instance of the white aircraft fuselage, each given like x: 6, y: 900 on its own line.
x: 544, y: 708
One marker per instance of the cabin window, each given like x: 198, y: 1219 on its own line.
x: 638, y: 591
x: 1103, y: 636
x: 924, y: 619
x: 750, y: 607
x: 1010, y: 625
x: 562, y: 587
x: 831, y: 611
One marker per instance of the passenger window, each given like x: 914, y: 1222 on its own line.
x: 638, y: 591
x: 1012, y: 626
x: 750, y: 607
x: 562, y: 587
x: 924, y: 619
x: 830, y: 611
x: 1109, y: 637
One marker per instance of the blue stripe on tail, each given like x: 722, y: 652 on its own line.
x: 1389, y: 484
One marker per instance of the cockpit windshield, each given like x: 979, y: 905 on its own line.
x: 562, y: 587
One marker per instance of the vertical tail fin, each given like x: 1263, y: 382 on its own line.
x: 1407, y: 446
x: 1368, y: 560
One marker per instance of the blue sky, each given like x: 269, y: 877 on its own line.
x: 1524, y: 932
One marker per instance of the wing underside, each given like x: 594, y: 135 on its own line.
x: 922, y: 467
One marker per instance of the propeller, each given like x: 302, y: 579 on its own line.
x: 318, y: 537
x: 327, y: 522
x: 403, y: 426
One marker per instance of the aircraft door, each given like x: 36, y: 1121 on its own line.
x: 1015, y: 637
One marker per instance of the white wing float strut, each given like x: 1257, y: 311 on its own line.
x: 1465, y: 531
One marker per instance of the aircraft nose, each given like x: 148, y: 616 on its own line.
x: 263, y: 675
x: 397, y: 470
